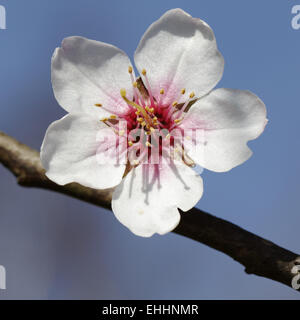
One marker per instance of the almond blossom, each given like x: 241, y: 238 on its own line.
x: 143, y: 135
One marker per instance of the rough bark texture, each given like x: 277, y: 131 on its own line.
x: 259, y: 256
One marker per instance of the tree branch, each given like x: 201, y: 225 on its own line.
x: 259, y: 256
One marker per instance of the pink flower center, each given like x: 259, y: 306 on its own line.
x: 149, y: 124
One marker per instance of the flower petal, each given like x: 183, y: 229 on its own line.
x: 69, y: 153
x: 147, y: 199
x: 226, y: 120
x: 87, y: 72
x: 179, y: 51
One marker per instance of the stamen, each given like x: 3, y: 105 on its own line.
x: 144, y: 73
x: 98, y: 105
x: 177, y: 120
x: 175, y: 103
x: 113, y: 116
x: 181, y: 111
x: 130, y: 143
x: 148, y: 144
x: 162, y: 91
x: 183, y: 91
x: 130, y: 69
x: 141, y: 109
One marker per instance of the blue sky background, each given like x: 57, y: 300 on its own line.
x: 55, y: 247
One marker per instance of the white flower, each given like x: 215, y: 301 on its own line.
x: 179, y: 65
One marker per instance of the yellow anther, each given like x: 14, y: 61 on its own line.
x: 130, y: 69
x: 148, y: 144
x: 154, y: 118
x: 168, y: 136
x: 152, y: 129
x: 134, y: 84
x: 192, y: 95
x: 174, y: 104
x: 123, y: 93
x: 148, y: 133
x: 143, y: 123
x: 137, y: 112
x: 140, y: 119
x: 104, y: 119
x: 177, y: 120
x: 162, y: 91
x: 144, y: 72
x: 136, y: 162
x: 113, y: 116
x: 130, y: 143
x: 98, y: 105
x: 151, y: 110
x: 147, y: 108
x: 183, y: 91
x: 121, y: 132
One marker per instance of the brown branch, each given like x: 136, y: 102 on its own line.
x: 259, y: 256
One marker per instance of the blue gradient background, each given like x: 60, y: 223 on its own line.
x: 55, y: 247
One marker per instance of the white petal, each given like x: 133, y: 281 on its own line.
x: 146, y: 201
x: 179, y: 51
x: 87, y: 72
x: 226, y: 120
x: 69, y: 153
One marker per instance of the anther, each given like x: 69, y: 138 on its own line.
x: 148, y: 144
x: 130, y: 143
x: 162, y: 91
x: 183, y: 91
x: 121, y: 132
x: 140, y: 119
x: 144, y: 72
x: 134, y: 84
x: 177, y: 120
x: 113, y: 116
x: 174, y: 104
x: 130, y: 69
x: 123, y: 93
x: 192, y: 95
x: 98, y: 105
x: 151, y: 110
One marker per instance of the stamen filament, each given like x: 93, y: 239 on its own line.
x: 141, y: 109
